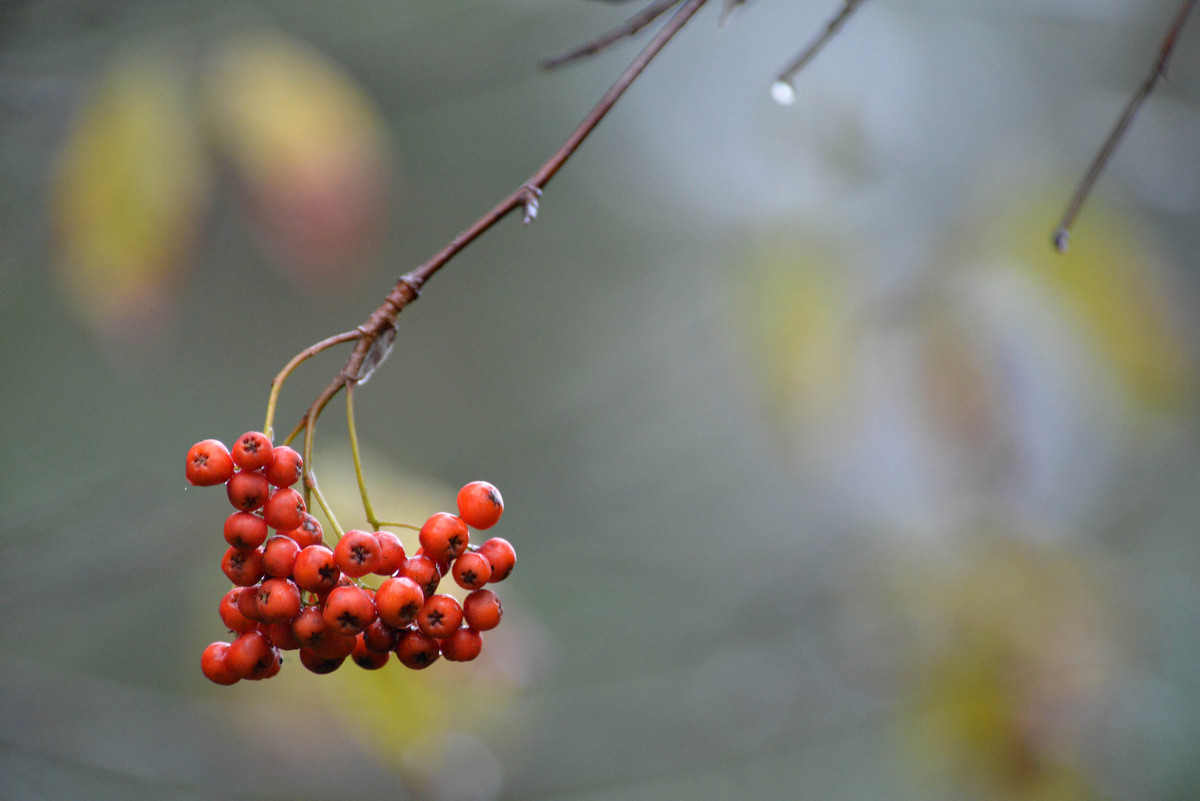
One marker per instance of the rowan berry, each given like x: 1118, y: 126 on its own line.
x: 416, y: 650
x: 247, y: 490
x: 482, y: 610
x: 279, y: 556
x: 308, y: 533
x: 365, y: 658
x: 319, y: 664
x: 251, y: 655
x: 247, y: 602
x: 501, y: 556
x: 231, y: 615
x: 315, y: 569
x: 439, y: 616
x: 243, y: 567
x: 245, y: 530
x: 349, y: 610
x: 462, y: 645
x: 380, y: 637
x: 334, y: 645
x: 424, y: 571
x: 309, y: 627
x: 471, y: 570
x: 284, y: 509
x: 480, y: 504
x: 391, y: 554
x: 214, y: 666
x: 356, y: 553
x: 278, y: 601
x: 208, y: 463
x: 398, y: 600
x: 252, y: 451
x: 281, y: 636
x: 285, y: 467
x: 444, y: 536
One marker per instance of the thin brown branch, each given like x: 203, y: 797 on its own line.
x: 1062, y: 235
x: 628, y: 28
x: 382, y: 321
x: 783, y: 90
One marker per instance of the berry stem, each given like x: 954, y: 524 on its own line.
x: 358, y: 471
x: 310, y: 483
x: 393, y: 524
x: 296, y: 361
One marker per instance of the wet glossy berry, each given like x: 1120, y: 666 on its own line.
x: 232, y: 616
x: 391, y: 554
x: 243, y: 567
x: 214, y: 666
x: 308, y: 533
x: 247, y: 602
x: 357, y: 553
x: 380, y: 637
x: 482, y: 610
x: 279, y: 556
x: 251, y: 656
x: 315, y: 570
x: 284, y: 509
x: 281, y: 636
x: 365, y: 658
x: 501, y: 556
x: 309, y: 627
x: 480, y: 504
x: 349, y: 610
x: 471, y: 570
x: 278, y: 601
x: 245, y: 530
x: 416, y: 650
x: 208, y: 463
x: 285, y: 467
x: 439, y: 616
x: 247, y: 490
x: 319, y: 664
x: 444, y: 536
x: 398, y: 600
x: 252, y: 451
x: 422, y: 570
x: 462, y: 645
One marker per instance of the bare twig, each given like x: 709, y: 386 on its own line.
x: 382, y: 321
x: 783, y: 90
x: 623, y: 31
x: 1062, y: 235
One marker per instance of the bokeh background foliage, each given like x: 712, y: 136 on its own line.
x: 828, y: 478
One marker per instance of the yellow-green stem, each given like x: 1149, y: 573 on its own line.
x: 311, y: 484
x: 391, y: 524
x: 358, y: 472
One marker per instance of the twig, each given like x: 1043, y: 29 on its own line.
x: 623, y: 31
x: 382, y: 321
x: 783, y: 90
x: 1062, y: 235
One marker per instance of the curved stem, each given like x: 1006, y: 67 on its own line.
x: 393, y: 524
x: 337, y: 529
x: 358, y: 471
x: 310, y: 430
x: 296, y: 361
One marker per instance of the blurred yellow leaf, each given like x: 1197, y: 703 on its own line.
x: 130, y: 186
x: 308, y: 147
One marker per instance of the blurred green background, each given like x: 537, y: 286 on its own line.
x: 827, y: 477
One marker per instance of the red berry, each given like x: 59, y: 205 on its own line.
x: 214, y: 666
x: 462, y: 645
x: 243, y: 567
x: 245, y: 530
x: 349, y: 610
x: 208, y: 463
x: 285, y: 467
x: 309, y: 627
x: 231, y: 615
x: 365, y: 658
x: 334, y: 645
x: 247, y: 490
x: 281, y: 636
x: 416, y: 650
x: 444, y: 536
x: 284, y: 509
x: 247, y: 602
x: 482, y: 610
x: 357, y: 553
x: 391, y: 554
x: 315, y: 570
x: 471, y: 570
x: 278, y: 601
x: 252, y: 451
x: 501, y: 556
x: 320, y: 664
x: 308, y: 533
x: 422, y: 570
x: 480, y: 504
x: 279, y: 557
x: 439, y: 616
x: 380, y: 637
x: 251, y: 656
x: 398, y: 600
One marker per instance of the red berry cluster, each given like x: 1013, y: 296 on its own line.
x: 292, y: 592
